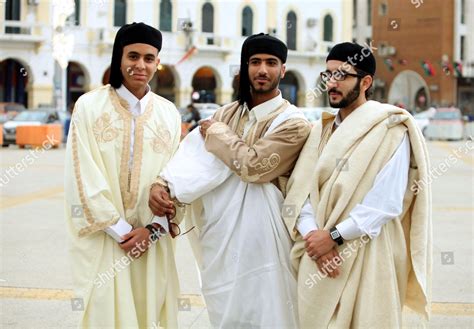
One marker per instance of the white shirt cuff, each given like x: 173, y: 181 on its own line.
x: 349, y: 229
x: 306, y: 225
x: 163, y: 221
x: 306, y: 221
x: 170, y: 187
x: 117, y: 231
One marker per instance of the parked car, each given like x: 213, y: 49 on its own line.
x: 9, y: 110
x: 28, y: 118
x: 423, y: 119
x: 446, y: 124
x: 314, y: 113
x: 206, y: 110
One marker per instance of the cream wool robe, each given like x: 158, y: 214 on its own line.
x: 100, y: 189
x: 378, y: 276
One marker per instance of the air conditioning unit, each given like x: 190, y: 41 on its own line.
x: 391, y: 51
x: 272, y: 31
x: 387, y: 50
x: 311, y: 22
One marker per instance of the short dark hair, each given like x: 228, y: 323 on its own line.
x: 368, y: 92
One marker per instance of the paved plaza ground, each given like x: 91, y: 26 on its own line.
x: 35, y: 279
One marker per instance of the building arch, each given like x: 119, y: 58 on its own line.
x: 406, y: 88
x: 293, y: 88
x: 166, y: 82
x: 206, y: 83
x: 78, y: 81
x: 16, y: 79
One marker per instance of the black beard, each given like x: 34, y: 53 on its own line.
x: 349, y: 99
x: 270, y: 89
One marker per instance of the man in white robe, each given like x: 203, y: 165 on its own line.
x: 362, y: 231
x: 121, y: 137
x: 235, y: 177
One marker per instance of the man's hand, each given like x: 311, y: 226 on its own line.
x: 160, y: 203
x: 329, y: 263
x: 204, y: 126
x: 318, y: 243
x: 139, y: 239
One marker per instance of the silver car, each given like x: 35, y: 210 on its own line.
x: 27, y: 118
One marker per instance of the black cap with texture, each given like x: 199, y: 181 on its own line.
x: 127, y: 35
x: 354, y: 54
x: 257, y: 44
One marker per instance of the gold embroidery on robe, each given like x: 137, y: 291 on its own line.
x: 161, y: 142
x: 103, y: 129
x: 130, y: 177
x: 85, y: 210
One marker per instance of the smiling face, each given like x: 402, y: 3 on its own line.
x: 265, y: 73
x: 138, y: 66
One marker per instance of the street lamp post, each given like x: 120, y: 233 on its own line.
x: 63, y: 44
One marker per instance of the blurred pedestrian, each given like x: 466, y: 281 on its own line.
x: 194, y: 117
x: 67, y: 121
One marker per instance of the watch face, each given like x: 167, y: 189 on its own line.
x: 335, y: 234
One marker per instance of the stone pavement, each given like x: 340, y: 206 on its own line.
x: 35, y: 281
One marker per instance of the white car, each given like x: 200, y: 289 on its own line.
x: 447, y: 124
x: 206, y: 110
x: 423, y: 119
x: 314, y: 113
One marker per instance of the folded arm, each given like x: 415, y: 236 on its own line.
x: 270, y: 157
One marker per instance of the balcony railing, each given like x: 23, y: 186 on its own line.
x: 18, y: 31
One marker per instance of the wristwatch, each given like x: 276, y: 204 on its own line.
x: 336, y: 236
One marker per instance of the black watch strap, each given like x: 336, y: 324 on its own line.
x: 336, y: 236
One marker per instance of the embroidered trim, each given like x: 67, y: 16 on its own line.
x: 94, y: 226
x: 162, y: 142
x: 268, y: 164
x: 217, y: 128
x: 126, y: 116
x: 77, y: 173
x: 99, y: 226
x: 130, y: 177
x: 265, y: 166
x: 138, y: 155
x: 103, y: 129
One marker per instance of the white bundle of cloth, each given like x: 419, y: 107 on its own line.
x: 240, y: 241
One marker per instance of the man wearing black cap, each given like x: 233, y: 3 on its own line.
x: 121, y: 136
x: 234, y: 176
x: 358, y: 217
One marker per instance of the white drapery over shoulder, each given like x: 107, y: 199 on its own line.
x: 240, y: 241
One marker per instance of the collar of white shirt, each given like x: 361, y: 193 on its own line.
x: 338, y: 120
x: 262, y: 110
x: 132, y: 100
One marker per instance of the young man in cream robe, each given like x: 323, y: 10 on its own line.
x: 121, y: 137
x: 362, y: 228
x: 235, y: 175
